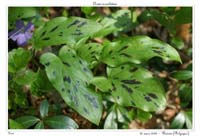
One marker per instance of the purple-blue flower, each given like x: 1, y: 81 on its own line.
x: 22, y: 33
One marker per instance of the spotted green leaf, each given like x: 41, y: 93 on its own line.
x: 17, y: 13
x: 90, y: 52
x: 134, y: 86
x: 122, y: 20
x: 18, y: 59
x: 70, y: 75
x: 64, y: 31
x: 137, y: 50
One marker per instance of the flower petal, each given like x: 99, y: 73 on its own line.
x: 28, y: 35
x: 19, y: 24
x: 21, y: 40
x: 29, y: 27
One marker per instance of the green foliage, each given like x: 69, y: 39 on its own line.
x: 96, y: 64
x: 185, y: 94
x: 17, y: 13
x: 55, y: 122
x: 44, y: 107
x: 137, y: 50
x: 14, y: 124
x: 129, y: 86
x: 70, y: 75
x: 64, y: 31
x: 170, y: 18
x: 182, y: 75
x: 18, y: 59
x: 183, y: 118
x: 61, y: 122
x: 183, y: 15
x: 119, y: 21
x: 90, y: 52
x: 27, y: 121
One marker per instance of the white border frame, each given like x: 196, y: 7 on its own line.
x: 76, y: 3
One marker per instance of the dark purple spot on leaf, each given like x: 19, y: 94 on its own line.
x: 67, y: 79
x: 80, y: 62
x: 133, y: 69
x: 123, y: 48
x: 113, y: 87
x: 73, y: 23
x: 93, y: 52
x: 53, y: 29
x: 43, y: 33
x: 82, y: 24
x: 63, y: 89
x: 129, y: 90
x: 85, y: 69
x: 147, y: 98
x: 75, y: 88
x: 157, y: 51
x: 152, y: 95
x: 156, y: 104
x: 45, y: 39
x: 54, y: 73
x: 77, y: 32
x: 60, y: 34
x: 85, y: 110
x: 47, y: 64
x: 126, y: 55
x: 122, y: 67
x: 67, y: 64
x: 134, y: 81
x: 132, y: 102
x: 110, y: 52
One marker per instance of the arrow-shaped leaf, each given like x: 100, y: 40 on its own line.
x: 70, y: 75
x: 137, y: 49
x: 64, y: 31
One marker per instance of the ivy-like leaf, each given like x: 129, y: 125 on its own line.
x: 70, y: 75
x: 25, y: 77
x: 17, y: 13
x: 90, y: 52
x: 41, y: 84
x: 137, y: 49
x: 135, y: 86
x: 18, y: 59
x: 64, y: 31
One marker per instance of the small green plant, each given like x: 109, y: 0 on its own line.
x: 44, y: 121
x: 64, y: 55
